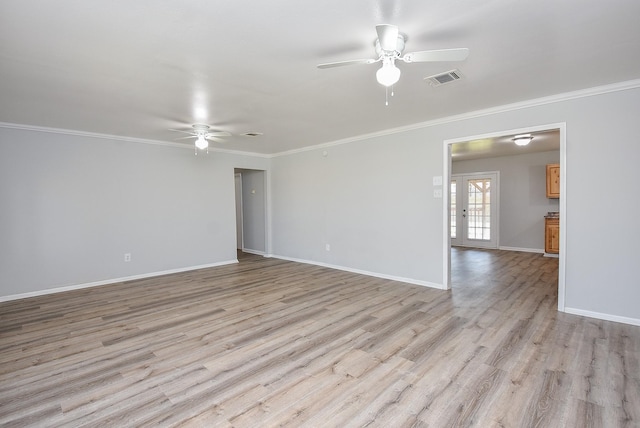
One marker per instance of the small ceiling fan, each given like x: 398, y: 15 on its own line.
x: 389, y: 47
x: 202, y: 133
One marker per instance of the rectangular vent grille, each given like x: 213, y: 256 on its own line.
x: 441, y: 79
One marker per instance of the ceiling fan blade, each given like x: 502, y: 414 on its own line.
x: 217, y: 134
x: 458, y: 54
x: 350, y: 62
x: 387, y: 36
x: 180, y: 130
x: 184, y: 138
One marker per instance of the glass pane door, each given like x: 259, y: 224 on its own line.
x: 474, y: 210
x: 479, y: 209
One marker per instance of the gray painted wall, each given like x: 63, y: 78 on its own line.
x: 73, y: 205
x: 523, y: 201
x: 369, y: 200
x: 372, y: 199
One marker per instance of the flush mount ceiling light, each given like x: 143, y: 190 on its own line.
x: 522, y: 140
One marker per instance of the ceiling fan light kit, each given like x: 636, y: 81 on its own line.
x: 202, y: 142
x: 388, y: 74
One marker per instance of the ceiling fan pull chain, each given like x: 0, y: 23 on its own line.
x: 386, y: 95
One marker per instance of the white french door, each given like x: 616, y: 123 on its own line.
x: 474, y: 210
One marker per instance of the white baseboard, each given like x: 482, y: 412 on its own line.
x: 256, y: 252
x: 524, y: 250
x: 109, y: 281
x: 363, y: 272
x: 601, y: 316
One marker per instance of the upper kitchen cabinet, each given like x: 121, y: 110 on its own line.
x: 553, y: 180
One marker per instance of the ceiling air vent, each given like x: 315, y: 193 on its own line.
x: 442, y: 78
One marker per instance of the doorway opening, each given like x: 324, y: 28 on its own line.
x: 251, y: 211
x: 487, y: 150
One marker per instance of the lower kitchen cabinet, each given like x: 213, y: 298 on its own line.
x: 552, y: 235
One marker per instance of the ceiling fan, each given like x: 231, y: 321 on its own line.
x: 389, y: 47
x: 202, y: 133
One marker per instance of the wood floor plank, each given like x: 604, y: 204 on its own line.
x: 268, y: 342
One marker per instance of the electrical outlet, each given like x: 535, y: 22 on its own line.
x: 327, y: 247
x: 127, y: 257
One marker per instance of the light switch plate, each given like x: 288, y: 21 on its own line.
x: 437, y: 180
x: 437, y: 193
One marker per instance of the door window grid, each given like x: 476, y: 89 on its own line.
x: 452, y: 210
x: 479, y: 212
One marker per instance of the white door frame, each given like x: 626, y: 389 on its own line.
x: 239, y: 214
x: 562, y: 127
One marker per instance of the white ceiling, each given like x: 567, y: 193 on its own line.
x: 137, y: 68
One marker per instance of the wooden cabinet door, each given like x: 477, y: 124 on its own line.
x: 553, y: 180
x: 552, y: 235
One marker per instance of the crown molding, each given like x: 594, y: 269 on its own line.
x: 120, y: 138
x: 582, y: 93
x: 566, y: 96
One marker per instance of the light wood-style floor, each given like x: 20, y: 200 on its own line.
x: 275, y: 343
